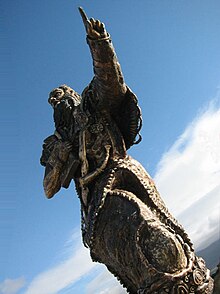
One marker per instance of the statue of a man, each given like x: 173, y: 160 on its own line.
x: 125, y: 223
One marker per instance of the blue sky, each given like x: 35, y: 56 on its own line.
x: 170, y: 56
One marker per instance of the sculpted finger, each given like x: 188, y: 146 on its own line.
x: 84, y: 18
x: 83, y: 15
x: 94, y: 34
x: 102, y: 28
x: 89, y: 30
x: 98, y: 24
x: 92, y: 21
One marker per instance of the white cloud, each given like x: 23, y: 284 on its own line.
x: 188, y: 180
x: 188, y: 176
x: 64, y: 274
x: 202, y: 219
x: 12, y: 286
x: 105, y: 283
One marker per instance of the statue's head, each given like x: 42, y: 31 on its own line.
x: 61, y: 93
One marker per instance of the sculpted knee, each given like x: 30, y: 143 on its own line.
x: 161, y: 248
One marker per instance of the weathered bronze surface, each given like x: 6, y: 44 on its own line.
x: 125, y: 223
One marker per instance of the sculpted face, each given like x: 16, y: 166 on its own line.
x: 64, y: 93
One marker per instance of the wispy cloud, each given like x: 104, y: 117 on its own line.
x: 64, y: 274
x: 12, y: 286
x: 202, y: 219
x: 188, y: 176
x: 62, y: 277
x: 105, y: 283
x: 188, y: 180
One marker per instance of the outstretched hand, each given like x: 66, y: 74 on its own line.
x: 94, y: 28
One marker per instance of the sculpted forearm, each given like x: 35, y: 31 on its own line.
x: 108, y: 80
x: 125, y: 222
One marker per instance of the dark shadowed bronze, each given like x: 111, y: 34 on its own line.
x: 125, y: 223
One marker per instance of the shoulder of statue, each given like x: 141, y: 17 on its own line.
x: 90, y: 100
x: 129, y: 120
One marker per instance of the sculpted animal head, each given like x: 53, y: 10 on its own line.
x: 62, y: 93
x: 66, y: 104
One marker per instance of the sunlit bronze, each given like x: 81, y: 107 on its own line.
x: 125, y: 223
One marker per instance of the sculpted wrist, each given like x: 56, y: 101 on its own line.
x: 89, y: 39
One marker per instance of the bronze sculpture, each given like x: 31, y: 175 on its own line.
x: 125, y: 223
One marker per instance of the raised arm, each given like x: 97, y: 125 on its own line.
x: 108, y: 81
